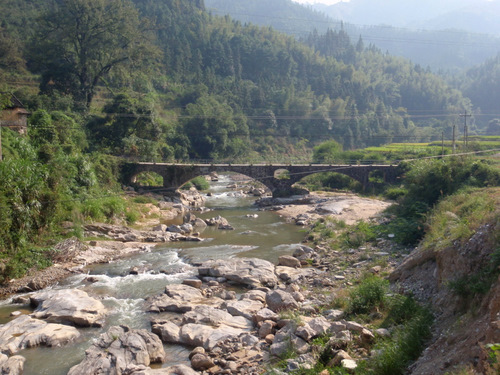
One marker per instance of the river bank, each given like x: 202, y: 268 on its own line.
x: 316, y: 269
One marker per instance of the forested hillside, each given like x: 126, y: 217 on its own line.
x: 444, y: 46
x: 187, y: 84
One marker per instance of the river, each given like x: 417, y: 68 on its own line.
x: 266, y: 236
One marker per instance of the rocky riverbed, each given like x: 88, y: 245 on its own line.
x: 237, y: 314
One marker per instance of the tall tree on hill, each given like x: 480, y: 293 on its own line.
x: 80, y: 42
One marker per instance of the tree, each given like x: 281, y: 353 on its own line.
x: 81, y: 41
x: 327, y: 152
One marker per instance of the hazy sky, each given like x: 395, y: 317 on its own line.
x: 327, y: 2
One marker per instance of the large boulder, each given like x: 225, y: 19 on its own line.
x: 289, y: 261
x: 26, y: 332
x: 68, y: 306
x: 252, y: 272
x: 278, y: 300
x: 314, y: 328
x: 11, y: 365
x: 121, y: 351
x: 180, y: 298
x: 172, y: 370
x: 215, y: 317
x: 245, y: 308
x: 206, y: 336
x: 167, y: 331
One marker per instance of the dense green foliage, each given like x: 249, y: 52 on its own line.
x: 199, y: 86
x: 46, y: 179
x: 427, y: 182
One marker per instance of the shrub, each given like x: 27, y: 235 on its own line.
x: 200, y: 183
x: 360, y: 234
x: 370, y: 293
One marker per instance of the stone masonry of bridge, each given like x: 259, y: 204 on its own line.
x: 175, y: 175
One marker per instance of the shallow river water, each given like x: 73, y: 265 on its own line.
x: 266, y: 237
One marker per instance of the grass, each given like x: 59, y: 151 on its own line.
x: 411, y: 325
x: 457, y: 218
x: 368, y: 295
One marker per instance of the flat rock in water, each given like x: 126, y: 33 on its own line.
x: 68, y: 306
x: 180, y: 298
x: 121, y: 351
x: 26, y: 332
x: 252, y: 272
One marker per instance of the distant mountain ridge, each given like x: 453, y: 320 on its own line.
x: 476, y: 16
x: 427, y: 32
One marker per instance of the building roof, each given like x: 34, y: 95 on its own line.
x: 15, y: 103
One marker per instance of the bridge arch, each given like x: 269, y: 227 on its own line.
x: 175, y: 175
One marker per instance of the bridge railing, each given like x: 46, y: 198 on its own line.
x: 284, y: 162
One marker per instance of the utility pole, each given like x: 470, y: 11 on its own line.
x: 466, y: 132
x: 454, y: 146
x: 442, y: 144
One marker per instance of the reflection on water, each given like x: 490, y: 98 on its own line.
x: 266, y: 236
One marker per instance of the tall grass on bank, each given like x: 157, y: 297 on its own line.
x: 411, y: 325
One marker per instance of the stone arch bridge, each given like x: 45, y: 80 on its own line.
x: 175, y: 175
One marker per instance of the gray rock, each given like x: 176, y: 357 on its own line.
x: 248, y: 340
x: 338, y: 358
x: 349, y: 364
x: 340, y: 340
x: 121, y: 350
x: 334, y: 314
x: 11, y: 365
x: 180, y: 298
x: 174, y: 229
x: 353, y: 326
x: 215, y: 317
x: 26, y: 332
x: 195, y: 283
x: 289, y: 261
x: 265, y: 314
x: 199, y: 224
x: 186, y: 228
x: 206, y: 336
x: 201, y: 362
x: 266, y: 328
x: 160, y: 228
x: 247, y: 271
x: 171, y: 370
x: 313, y: 328
x: 255, y: 295
x: 246, y: 308
x: 197, y: 350
x: 168, y: 332
x: 68, y: 306
x: 279, y: 300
